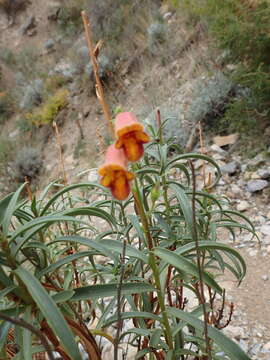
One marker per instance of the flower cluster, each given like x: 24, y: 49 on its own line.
x: 130, y: 137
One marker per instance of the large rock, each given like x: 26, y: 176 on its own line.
x: 195, y: 101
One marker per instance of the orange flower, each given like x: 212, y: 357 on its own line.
x: 114, y: 173
x: 130, y: 135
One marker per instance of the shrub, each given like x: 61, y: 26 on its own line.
x: 156, y: 35
x: 142, y: 260
x: 242, y: 29
x: 32, y: 94
x: 47, y: 112
x: 55, y: 82
x: 7, y: 56
x: 28, y: 164
x: 6, y: 106
x: 11, y: 7
x: 7, y: 151
x: 69, y: 17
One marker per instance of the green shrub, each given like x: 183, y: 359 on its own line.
x: 47, y: 112
x: 55, y: 82
x: 130, y: 264
x: 243, y: 31
x: 156, y: 34
x: 6, y: 106
x: 7, y: 151
x: 69, y: 17
x: 7, y: 56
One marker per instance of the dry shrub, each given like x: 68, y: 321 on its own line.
x: 12, y: 7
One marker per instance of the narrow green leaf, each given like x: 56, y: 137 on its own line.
x: 63, y: 296
x: 137, y: 226
x: 27, y: 336
x: 117, y: 246
x: 66, y: 260
x: 51, y: 312
x: 96, y: 245
x: 10, y: 209
x: 189, y: 156
x: 65, y: 190
x: 109, y: 290
x: 186, y: 266
x: 155, y: 338
x: 7, y: 290
x: 208, y: 245
x: 37, y: 225
x: 4, y: 329
x: 230, y: 348
x: 185, y: 205
x: 137, y: 332
x: 133, y: 315
x: 91, y: 211
x: 140, y: 354
x: 3, y: 206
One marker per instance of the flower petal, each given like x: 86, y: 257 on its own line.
x: 120, y: 188
x: 133, y: 149
x: 142, y: 137
x: 107, y: 179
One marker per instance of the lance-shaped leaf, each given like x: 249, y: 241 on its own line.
x: 50, y: 311
x: 109, y: 290
x: 186, y: 266
x: 230, y: 348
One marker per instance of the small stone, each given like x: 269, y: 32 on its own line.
x: 167, y: 15
x: 127, y: 82
x: 253, y: 253
x: 93, y: 175
x: 243, y: 345
x: 14, y: 133
x: 230, y: 168
x: 256, y: 185
x: 255, y: 176
x: 264, y: 173
x: 265, y: 277
x: 267, y: 346
x: 266, y: 240
x: 217, y: 149
x: 49, y: 44
x: 265, y: 229
x: 30, y: 23
x: 243, y: 206
x: 247, y: 175
x: 236, y: 332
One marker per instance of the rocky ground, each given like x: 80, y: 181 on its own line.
x: 246, y: 183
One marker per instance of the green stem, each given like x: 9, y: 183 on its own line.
x: 154, y: 267
x: 168, y: 333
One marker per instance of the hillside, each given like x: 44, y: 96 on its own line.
x: 156, y: 55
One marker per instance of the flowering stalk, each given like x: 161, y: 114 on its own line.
x: 154, y: 267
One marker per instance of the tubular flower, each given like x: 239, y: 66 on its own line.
x: 114, y: 173
x: 130, y: 135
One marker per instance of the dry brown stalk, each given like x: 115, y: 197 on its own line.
x: 93, y: 53
x: 59, y: 142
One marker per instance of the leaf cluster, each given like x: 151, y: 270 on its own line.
x: 77, y: 254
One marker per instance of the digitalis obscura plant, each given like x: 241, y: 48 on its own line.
x: 77, y: 263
